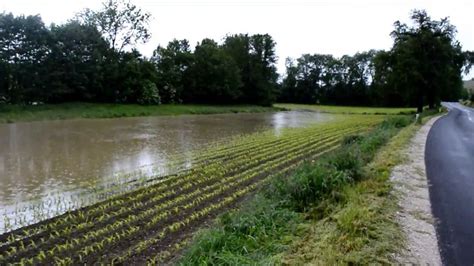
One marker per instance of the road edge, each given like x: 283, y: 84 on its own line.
x: 415, y: 214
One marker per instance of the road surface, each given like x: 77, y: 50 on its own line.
x: 449, y: 158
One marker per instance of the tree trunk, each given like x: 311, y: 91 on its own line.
x: 419, y: 107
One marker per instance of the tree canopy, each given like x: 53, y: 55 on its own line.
x: 92, y: 58
x: 426, y: 60
x: 423, y: 67
x: 121, y: 23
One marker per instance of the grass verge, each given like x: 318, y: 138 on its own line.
x: 348, y: 109
x: 336, y: 210
x: 15, y: 113
x: 360, y: 227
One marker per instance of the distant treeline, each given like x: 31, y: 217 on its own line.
x: 73, y: 62
x: 85, y: 60
x: 423, y: 67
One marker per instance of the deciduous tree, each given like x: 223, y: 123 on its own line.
x: 122, y: 23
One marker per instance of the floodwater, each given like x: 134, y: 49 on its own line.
x: 39, y: 159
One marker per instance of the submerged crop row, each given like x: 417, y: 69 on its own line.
x: 153, y: 222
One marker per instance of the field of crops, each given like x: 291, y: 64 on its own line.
x: 153, y: 223
x: 348, y: 109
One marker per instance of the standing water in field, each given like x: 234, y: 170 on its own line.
x: 52, y: 166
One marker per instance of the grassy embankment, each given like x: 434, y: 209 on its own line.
x: 15, y: 113
x: 347, y: 109
x: 338, y: 209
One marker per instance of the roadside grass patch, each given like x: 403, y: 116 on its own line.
x: 361, y: 228
x: 246, y: 236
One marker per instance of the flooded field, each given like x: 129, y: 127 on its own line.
x: 58, y: 163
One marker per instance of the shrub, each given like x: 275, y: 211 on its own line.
x: 348, y: 161
x: 397, y: 121
x: 150, y: 94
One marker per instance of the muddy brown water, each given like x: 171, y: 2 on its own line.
x: 39, y: 159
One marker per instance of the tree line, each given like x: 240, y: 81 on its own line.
x: 92, y: 58
x: 423, y: 67
x: 86, y: 60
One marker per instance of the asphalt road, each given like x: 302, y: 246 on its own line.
x: 449, y: 158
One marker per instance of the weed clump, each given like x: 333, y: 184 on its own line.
x: 307, y: 185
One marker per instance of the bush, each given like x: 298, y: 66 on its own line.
x: 397, y: 121
x: 348, y: 161
x: 150, y: 94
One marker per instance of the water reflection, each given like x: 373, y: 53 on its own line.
x: 295, y: 119
x: 38, y: 159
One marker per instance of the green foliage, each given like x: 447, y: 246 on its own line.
x: 397, y: 121
x: 351, y: 139
x: 70, y: 62
x: 424, y: 66
x: 241, y: 70
x: 214, y: 76
x: 312, y: 182
x: 172, y: 63
x: 255, y: 57
x: 328, y: 80
x: 87, y: 59
x: 348, y: 161
x: 24, y: 47
x: 308, y: 184
x: 75, y: 63
x: 244, y: 237
x: 150, y: 94
x: 120, y: 22
x: 348, y: 109
x: 465, y: 94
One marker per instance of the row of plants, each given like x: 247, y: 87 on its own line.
x: 283, y: 214
x: 157, y: 209
x: 148, y: 221
x: 123, y: 183
x: 182, y: 178
x: 152, y: 191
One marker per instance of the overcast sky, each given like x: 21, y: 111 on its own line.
x: 313, y: 26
